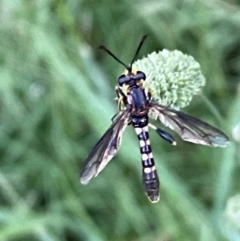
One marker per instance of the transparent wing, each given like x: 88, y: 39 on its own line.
x: 105, y: 148
x: 190, y: 128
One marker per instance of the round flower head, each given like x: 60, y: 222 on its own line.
x: 172, y: 77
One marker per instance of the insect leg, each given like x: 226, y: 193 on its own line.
x: 165, y: 135
x: 121, y: 97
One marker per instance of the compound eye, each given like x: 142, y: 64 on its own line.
x: 123, y: 79
x: 140, y: 75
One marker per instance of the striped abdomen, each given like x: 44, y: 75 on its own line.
x: 149, y: 172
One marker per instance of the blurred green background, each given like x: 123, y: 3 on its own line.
x: 57, y: 99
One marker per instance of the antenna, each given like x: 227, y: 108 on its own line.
x: 137, y: 51
x: 129, y: 68
x: 116, y: 58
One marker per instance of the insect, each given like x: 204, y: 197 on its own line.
x: 134, y: 108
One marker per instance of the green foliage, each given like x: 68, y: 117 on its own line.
x: 56, y: 94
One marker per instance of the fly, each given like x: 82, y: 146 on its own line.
x: 134, y: 108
